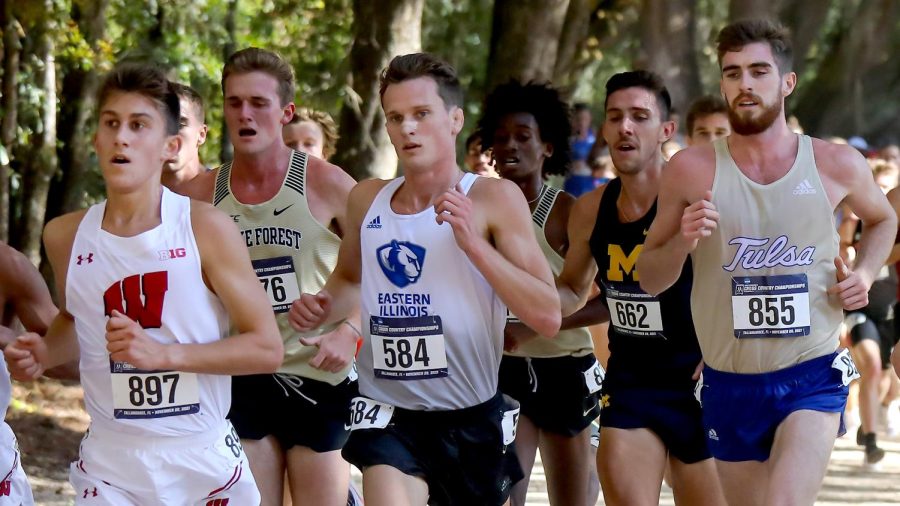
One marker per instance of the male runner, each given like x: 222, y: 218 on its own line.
x: 290, y: 208
x: 650, y: 418
x: 556, y: 381
x: 311, y: 131
x: 185, y: 174
x: 437, y: 256
x: 707, y: 120
x: 147, y: 282
x: 755, y: 213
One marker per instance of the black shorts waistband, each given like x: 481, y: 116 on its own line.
x: 476, y: 413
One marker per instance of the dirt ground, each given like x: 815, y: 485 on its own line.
x: 49, y: 420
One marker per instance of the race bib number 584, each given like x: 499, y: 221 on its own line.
x: 408, y: 348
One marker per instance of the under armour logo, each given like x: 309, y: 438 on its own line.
x: 217, y: 502
x: 89, y: 258
x: 92, y: 492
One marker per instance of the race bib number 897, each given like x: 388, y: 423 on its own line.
x: 152, y: 394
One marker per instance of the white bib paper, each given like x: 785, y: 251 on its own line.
x: 152, y: 394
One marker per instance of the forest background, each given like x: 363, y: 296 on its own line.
x: 54, y: 51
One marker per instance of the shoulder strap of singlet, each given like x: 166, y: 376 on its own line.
x: 222, y: 178
x: 546, y: 199
x: 296, y: 176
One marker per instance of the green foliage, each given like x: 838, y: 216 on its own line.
x: 190, y: 37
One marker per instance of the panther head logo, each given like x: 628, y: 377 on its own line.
x: 401, y: 262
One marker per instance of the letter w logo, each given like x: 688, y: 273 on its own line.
x: 125, y: 297
x: 217, y: 502
x: 619, y: 264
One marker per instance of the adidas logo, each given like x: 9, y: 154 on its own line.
x: 712, y: 435
x: 804, y: 188
x: 375, y: 223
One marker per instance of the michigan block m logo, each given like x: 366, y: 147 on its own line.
x: 620, y: 264
x: 139, y: 297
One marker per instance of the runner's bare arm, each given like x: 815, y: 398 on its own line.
x: 225, y: 262
x: 29, y: 356
x: 684, y: 216
x: 594, y: 312
x: 514, y: 265
x: 330, y: 186
x: 849, y: 170
x: 339, y: 298
x: 26, y: 290
x: 580, y: 268
x: 893, y: 197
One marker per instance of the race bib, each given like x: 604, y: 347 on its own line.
x: 152, y: 394
x: 593, y: 377
x: 367, y: 413
x: 845, y: 364
x: 770, y: 306
x: 279, y: 280
x: 230, y: 443
x: 633, y: 312
x: 508, y: 424
x: 408, y: 348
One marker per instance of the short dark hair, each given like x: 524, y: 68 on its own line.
x: 541, y: 101
x: 650, y: 81
x: 145, y: 79
x: 325, y: 123
x: 737, y: 35
x: 191, y: 95
x: 702, y: 107
x: 415, y: 65
x: 254, y: 59
x: 473, y: 138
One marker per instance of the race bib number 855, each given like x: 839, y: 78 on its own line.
x: 770, y: 306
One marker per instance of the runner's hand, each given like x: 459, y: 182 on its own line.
x: 455, y: 207
x: 699, y: 220
x: 851, y: 288
x: 126, y: 341
x: 516, y: 334
x: 310, y: 311
x: 26, y: 356
x: 336, y: 348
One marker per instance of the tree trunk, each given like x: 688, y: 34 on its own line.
x: 77, y: 103
x: 576, y: 29
x: 525, y: 40
x: 12, y: 47
x: 805, y: 19
x: 382, y: 29
x: 667, y: 47
x: 226, y: 150
x: 36, y: 180
x: 848, y: 93
x: 749, y: 9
